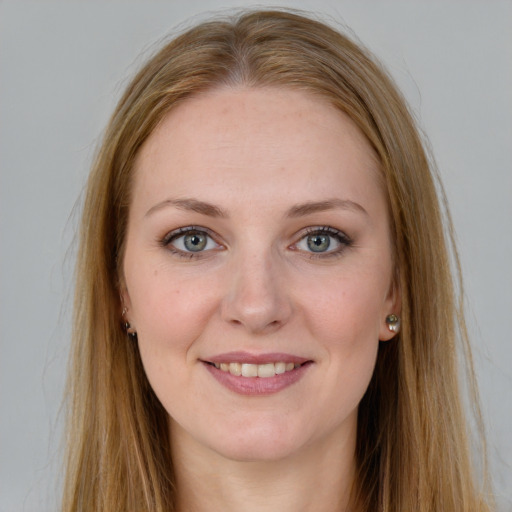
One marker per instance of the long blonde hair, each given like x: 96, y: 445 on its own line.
x: 413, y: 447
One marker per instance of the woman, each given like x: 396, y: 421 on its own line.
x: 265, y: 313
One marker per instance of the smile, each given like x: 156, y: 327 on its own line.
x: 264, y: 371
x: 257, y: 375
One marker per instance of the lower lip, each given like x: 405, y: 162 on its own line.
x: 258, y: 385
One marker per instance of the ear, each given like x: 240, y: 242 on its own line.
x: 126, y: 316
x: 125, y: 302
x: 392, y: 305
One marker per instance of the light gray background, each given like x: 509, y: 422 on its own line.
x: 63, y: 65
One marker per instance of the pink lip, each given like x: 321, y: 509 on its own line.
x: 247, y: 358
x: 257, y: 386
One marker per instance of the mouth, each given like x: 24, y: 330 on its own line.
x: 263, y: 371
x: 263, y: 374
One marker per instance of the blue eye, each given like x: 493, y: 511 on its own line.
x: 190, y: 240
x: 195, y: 241
x: 318, y: 243
x: 324, y: 240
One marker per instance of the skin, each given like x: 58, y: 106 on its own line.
x: 255, y: 154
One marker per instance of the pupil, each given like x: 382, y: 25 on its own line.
x: 319, y: 243
x: 195, y: 242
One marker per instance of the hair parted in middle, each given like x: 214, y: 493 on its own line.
x: 412, y: 451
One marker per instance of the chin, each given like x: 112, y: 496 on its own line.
x: 258, y: 452
x: 265, y: 443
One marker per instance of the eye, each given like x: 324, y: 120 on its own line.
x: 323, y: 241
x: 318, y: 243
x: 190, y: 240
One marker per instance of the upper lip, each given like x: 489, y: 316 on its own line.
x: 248, y: 358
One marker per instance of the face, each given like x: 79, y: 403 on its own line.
x: 258, y: 271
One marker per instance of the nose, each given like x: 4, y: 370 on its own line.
x: 257, y: 297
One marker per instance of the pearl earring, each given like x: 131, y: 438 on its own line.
x: 127, y: 327
x: 393, y: 322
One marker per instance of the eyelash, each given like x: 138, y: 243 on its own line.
x: 180, y: 232
x: 339, y: 236
x: 344, y: 241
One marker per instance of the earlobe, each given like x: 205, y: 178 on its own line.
x: 125, y: 303
x: 391, y: 327
x: 392, y: 323
x: 130, y: 330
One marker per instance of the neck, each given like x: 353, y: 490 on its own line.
x: 318, y: 478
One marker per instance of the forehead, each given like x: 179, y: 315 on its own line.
x: 257, y: 140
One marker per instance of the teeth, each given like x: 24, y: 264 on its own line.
x: 279, y: 368
x: 266, y: 370
x: 256, y: 370
x: 249, y: 370
x: 235, y: 369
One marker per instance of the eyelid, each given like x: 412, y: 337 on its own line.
x: 342, y: 238
x: 175, y: 234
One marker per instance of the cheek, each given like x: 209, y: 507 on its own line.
x: 344, y: 315
x: 169, y: 315
x: 169, y: 310
x: 347, y: 308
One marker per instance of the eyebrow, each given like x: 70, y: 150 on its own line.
x: 309, y: 208
x: 298, y: 210
x: 192, y: 205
